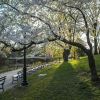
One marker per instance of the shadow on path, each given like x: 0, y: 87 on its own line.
x: 65, y: 85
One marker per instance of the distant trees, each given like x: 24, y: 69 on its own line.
x: 2, y: 58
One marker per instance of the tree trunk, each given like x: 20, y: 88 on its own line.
x: 99, y: 50
x: 94, y: 76
x: 95, y: 38
x: 66, y: 54
x: 95, y: 46
x: 74, y: 56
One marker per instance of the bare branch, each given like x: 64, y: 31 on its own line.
x: 33, y: 43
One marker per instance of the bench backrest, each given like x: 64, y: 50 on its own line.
x: 20, y: 74
x: 2, y: 79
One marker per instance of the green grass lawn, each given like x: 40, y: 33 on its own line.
x: 64, y: 81
x: 6, y: 68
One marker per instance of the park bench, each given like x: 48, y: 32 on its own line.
x: 31, y: 71
x: 16, y: 77
x: 2, y: 81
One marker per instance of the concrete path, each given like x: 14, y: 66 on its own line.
x: 8, y: 83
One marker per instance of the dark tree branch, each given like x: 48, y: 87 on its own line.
x: 86, y: 24
x: 72, y: 43
x: 6, y: 44
x: 60, y: 45
x: 33, y: 43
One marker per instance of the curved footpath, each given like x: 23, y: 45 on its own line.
x: 8, y: 82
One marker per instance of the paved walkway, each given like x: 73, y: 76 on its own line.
x: 8, y: 83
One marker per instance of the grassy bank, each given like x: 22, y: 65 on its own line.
x: 64, y: 81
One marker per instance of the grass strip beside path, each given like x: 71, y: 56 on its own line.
x: 64, y: 81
